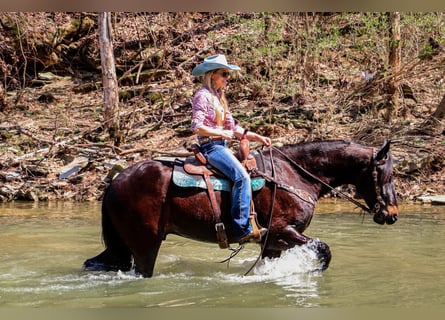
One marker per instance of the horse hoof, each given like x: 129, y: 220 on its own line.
x: 323, y: 253
x: 91, y: 265
x: 95, y: 265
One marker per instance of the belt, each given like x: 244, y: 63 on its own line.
x: 204, y: 140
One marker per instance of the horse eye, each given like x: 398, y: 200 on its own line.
x: 383, y: 161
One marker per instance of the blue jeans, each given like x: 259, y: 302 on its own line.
x: 222, y: 158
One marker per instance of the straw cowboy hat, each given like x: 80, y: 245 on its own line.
x: 213, y: 63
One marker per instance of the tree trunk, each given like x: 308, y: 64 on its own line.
x: 434, y: 124
x: 395, y: 53
x: 439, y: 114
x: 109, y: 79
x: 2, y: 98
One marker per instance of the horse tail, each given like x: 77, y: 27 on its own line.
x: 108, y: 231
x: 116, y: 255
x: 111, y: 238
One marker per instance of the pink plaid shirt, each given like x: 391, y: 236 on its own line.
x: 204, y: 112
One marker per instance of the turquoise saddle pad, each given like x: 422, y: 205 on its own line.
x: 183, y: 179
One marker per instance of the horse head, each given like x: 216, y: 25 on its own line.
x: 381, y: 197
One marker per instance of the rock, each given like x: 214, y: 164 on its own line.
x: 114, y: 172
x: 27, y: 195
x: 6, y: 194
x: 73, y: 167
x: 11, y: 176
x: 436, y: 200
x: 49, y: 76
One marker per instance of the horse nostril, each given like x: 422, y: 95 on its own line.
x: 391, y: 219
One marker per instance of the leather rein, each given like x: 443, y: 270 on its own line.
x: 375, y: 164
x: 276, y: 184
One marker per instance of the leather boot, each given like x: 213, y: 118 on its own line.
x: 254, y: 236
x: 257, y: 231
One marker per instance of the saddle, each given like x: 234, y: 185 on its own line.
x: 198, y: 166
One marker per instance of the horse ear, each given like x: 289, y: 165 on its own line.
x: 383, y: 152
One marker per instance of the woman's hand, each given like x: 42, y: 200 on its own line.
x: 227, y: 134
x: 264, y: 140
x: 255, y: 136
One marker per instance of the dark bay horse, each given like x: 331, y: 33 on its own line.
x: 141, y: 206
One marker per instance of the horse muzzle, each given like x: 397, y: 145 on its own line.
x: 388, y: 215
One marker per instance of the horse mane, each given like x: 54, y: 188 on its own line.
x: 305, y: 152
x: 339, y: 153
x: 321, y: 143
x: 319, y: 146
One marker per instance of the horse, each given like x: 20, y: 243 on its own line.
x: 141, y: 206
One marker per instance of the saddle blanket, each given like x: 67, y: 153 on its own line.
x: 185, y: 180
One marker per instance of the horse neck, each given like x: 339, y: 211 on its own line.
x: 334, y: 162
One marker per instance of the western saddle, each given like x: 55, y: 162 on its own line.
x: 199, y: 166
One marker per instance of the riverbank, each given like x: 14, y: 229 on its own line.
x: 54, y: 145
x: 56, y: 150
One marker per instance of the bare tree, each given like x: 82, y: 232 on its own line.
x: 395, y: 53
x: 439, y: 114
x: 435, y: 123
x: 109, y: 79
x: 2, y: 98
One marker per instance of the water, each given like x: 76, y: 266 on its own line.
x: 44, y: 245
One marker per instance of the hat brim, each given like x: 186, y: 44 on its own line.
x: 203, y: 68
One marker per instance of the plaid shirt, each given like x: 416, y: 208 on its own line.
x: 203, y: 109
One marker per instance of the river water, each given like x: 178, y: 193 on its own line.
x: 43, y: 246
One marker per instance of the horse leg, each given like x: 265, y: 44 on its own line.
x: 145, y: 258
x: 109, y: 261
x: 290, y: 237
x: 323, y: 252
x: 270, y: 253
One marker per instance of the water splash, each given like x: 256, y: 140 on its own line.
x: 293, y: 272
x: 295, y: 261
x: 177, y: 281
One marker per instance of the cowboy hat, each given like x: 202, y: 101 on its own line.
x: 213, y: 63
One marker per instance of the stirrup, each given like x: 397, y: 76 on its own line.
x: 221, y: 235
x: 256, y: 228
x: 257, y: 232
x: 254, y: 236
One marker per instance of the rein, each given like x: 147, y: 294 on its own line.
x: 338, y: 192
x: 290, y: 189
x: 274, y: 192
x: 277, y: 184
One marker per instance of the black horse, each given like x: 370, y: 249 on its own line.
x: 142, y: 205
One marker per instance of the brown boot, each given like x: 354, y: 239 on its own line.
x: 257, y: 231
x: 253, y: 236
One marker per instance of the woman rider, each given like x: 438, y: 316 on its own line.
x: 214, y: 125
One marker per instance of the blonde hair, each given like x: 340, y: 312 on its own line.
x: 207, y: 82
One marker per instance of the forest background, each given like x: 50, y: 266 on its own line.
x: 365, y: 77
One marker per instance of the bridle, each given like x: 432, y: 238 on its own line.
x: 380, y: 202
x: 375, y: 163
